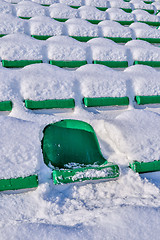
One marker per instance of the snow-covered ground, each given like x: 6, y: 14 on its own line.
x: 126, y: 208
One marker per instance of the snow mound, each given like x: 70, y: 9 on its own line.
x: 91, y: 78
x: 20, y: 148
x: 136, y: 135
x: 44, y: 81
x: 60, y: 10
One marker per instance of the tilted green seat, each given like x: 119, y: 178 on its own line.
x: 72, y: 149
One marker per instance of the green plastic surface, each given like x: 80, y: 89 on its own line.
x: 151, y: 11
x: 148, y: 63
x: 76, y: 7
x: 148, y: 2
x: 61, y: 19
x: 68, y: 64
x: 41, y: 37
x: 49, y: 104
x: 2, y: 35
x: 151, y: 23
x: 94, y: 21
x: 26, y: 18
x: 112, y: 64
x: 128, y: 10
x: 102, y: 8
x: 6, y: 106
x: 143, y: 167
x: 107, y: 171
x: 83, y: 38
x: 150, y: 40
x: 119, y: 39
x: 141, y: 100
x: 106, y: 101
x: 18, y: 64
x: 19, y: 183
x: 73, y: 141
x: 125, y: 22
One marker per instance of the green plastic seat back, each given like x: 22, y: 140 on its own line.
x: 70, y: 141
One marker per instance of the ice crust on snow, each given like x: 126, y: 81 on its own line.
x: 20, y: 148
x: 136, y: 135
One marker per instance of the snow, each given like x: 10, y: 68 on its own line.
x: 60, y: 10
x: 119, y: 15
x: 107, y: 50
x: 141, y: 15
x: 126, y: 208
x: 66, y: 49
x: 24, y: 49
x: 89, y: 12
x: 142, y: 30
x: 114, y: 29
x: 44, y: 81
x: 81, y: 27
x: 45, y: 26
x: 11, y: 24
x: 143, y: 51
x: 20, y: 148
x: 104, y: 87
x: 136, y: 135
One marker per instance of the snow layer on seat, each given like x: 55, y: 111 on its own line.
x: 65, y: 48
x: 8, y: 80
x: 29, y: 9
x: 20, y: 47
x: 45, y: 2
x: 145, y: 80
x: 117, y: 14
x: 60, y: 10
x: 120, y: 4
x: 143, y: 51
x: 5, y: 7
x: 114, y: 29
x: 91, y: 13
x: 135, y: 134
x: 138, y: 4
x: 45, y: 26
x: 101, y: 81
x: 11, y: 24
x: 20, y: 148
x: 95, y: 3
x: 43, y: 81
x: 142, y: 30
x: 72, y: 2
x: 107, y: 50
x: 81, y: 27
x: 144, y: 16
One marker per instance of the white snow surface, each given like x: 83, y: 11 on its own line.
x: 142, y: 30
x: 126, y: 208
x: 20, y: 148
x: 136, y: 134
